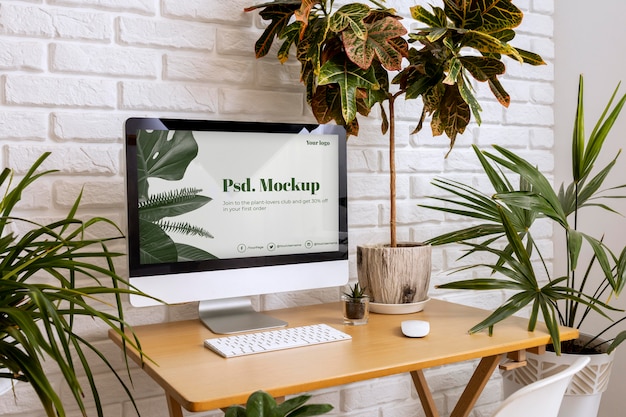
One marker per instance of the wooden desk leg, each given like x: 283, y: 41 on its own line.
x: 174, y: 408
x: 426, y: 397
x: 476, y: 385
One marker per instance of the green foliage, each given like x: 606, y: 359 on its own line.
x: 356, y: 291
x: 503, y: 224
x: 40, y: 298
x: 348, y: 55
x: 167, y: 159
x: 360, y: 55
x: 261, y: 404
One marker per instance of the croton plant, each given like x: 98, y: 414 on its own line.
x: 358, y: 55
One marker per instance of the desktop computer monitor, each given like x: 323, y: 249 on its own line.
x: 218, y: 211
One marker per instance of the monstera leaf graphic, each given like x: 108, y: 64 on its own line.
x: 160, y: 156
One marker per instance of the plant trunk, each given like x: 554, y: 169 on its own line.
x: 392, y: 173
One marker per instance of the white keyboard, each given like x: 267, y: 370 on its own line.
x: 270, y: 340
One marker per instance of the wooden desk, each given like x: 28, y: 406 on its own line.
x: 197, y: 379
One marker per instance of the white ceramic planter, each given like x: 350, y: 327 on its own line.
x: 583, y: 395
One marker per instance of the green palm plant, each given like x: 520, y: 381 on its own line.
x: 41, y: 299
x: 504, y: 229
x: 357, y: 56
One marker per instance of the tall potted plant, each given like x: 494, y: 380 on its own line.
x: 52, y: 276
x: 504, y: 230
x: 360, y: 55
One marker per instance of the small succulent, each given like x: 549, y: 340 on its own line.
x: 356, y: 291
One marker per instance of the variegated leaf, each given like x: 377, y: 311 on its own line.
x: 348, y: 77
x: 378, y: 44
x: 279, y: 15
x: 530, y: 57
x: 351, y: 15
x: 488, y: 44
x: 499, y: 92
x: 482, y: 68
x: 433, y: 20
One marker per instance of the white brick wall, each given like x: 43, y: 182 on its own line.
x: 71, y: 71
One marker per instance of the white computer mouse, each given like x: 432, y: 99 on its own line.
x: 415, y: 328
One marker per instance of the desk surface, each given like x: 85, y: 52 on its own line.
x: 199, y: 379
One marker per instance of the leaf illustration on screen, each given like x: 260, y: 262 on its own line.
x: 167, y: 158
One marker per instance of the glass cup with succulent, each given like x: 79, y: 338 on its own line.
x: 355, y: 305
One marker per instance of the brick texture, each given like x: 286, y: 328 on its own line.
x: 71, y: 72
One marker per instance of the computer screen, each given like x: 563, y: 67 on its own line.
x: 218, y: 211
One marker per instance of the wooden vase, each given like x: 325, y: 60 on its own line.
x: 397, y: 275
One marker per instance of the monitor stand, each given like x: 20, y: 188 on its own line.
x: 234, y: 315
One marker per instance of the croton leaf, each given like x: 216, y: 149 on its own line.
x: 452, y: 115
x: 378, y: 42
x: 433, y: 20
x: 487, y: 17
x: 482, y: 68
x: 289, y: 36
x: 463, y: 14
x: 487, y: 69
x: 348, y: 77
x: 351, y: 15
x: 279, y: 14
x: 499, y: 15
x: 499, y: 92
x: 530, y: 57
x: 302, y: 14
x: 488, y: 44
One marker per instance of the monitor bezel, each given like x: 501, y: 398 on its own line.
x: 137, y: 269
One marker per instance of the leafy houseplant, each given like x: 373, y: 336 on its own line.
x: 261, y: 404
x: 504, y: 229
x: 357, y: 56
x: 355, y: 305
x: 41, y: 299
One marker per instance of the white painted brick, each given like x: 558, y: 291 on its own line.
x: 42, y: 21
x: 90, y: 160
x: 363, y: 160
x: 235, y: 41
x: 101, y: 60
x: 543, y: 6
x: 168, y: 97
x: 23, y: 125
x: 524, y: 114
x: 95, y: 194
x: 230, y: 12
x: 282, y: 104
x: 135, y: 6
x: 383, y: 390
x: 416, y: 160
x: 22, y: 55
x: 201, y: 67
x: 542, y: 138
x: 511, y: 137
x: 166, y: 33
x: 31, y: 90
x: 364, y: 213
x: 88, y: 126
x: 277, y: 75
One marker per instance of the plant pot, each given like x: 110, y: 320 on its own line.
x: 355, y: 310
x: 399, y: 275
x: 583, y: 395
